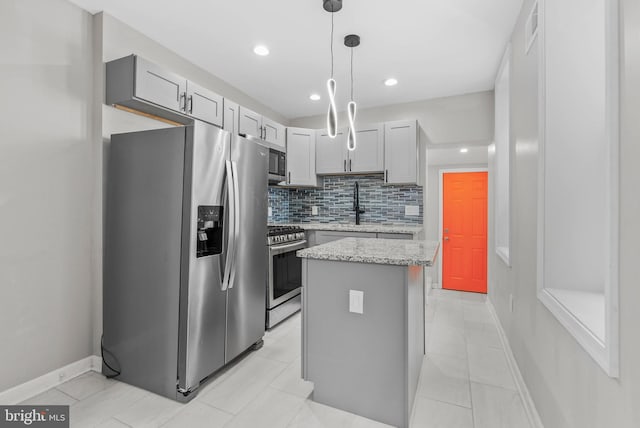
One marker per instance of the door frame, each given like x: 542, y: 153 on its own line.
x: 441, y: 173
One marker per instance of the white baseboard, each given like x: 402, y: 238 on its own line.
x: 529, y: 406
x: 36, y: 386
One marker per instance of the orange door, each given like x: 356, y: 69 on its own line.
x: 464, y: 231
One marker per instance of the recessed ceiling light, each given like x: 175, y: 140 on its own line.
x: 391, y: 82
x: 261, y: 50
x: 464, y: 150
x: 314, y: 97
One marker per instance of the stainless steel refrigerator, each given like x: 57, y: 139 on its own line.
x: 185, y: 255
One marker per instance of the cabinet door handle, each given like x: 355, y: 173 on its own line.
x: 289, y: 181
x: 350, y: 165
x: 191, y: 104
x: 386, y: 175
x: 345, y: 165
x: 182, y: 106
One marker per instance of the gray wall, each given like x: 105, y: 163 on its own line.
x: 450, y: 120
x: 47, y: 214
x: 568, y: 387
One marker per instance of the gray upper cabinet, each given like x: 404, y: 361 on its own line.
x: 332, y: 156
x: 141, y: 85
x: 253, y: 124
x: 273, y: 132
x: 369, y: 153
x: 230, y: 117
x: 203, y: 104
x: 159, y: 86
x: 301, y: 157
x: 401, y: 152
x: 331, y: 153
x: 250, y: 123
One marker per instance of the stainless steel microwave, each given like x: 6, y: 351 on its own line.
x: 277, y: 166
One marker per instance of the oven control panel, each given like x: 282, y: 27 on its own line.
x: 284, y: 234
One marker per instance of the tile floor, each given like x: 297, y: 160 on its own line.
x: 465, y: 382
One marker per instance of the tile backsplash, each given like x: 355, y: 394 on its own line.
x: 334, y: 199
x: 279, y: 204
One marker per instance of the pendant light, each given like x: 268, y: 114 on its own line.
x: 332, y: 6
x: 351, y: 41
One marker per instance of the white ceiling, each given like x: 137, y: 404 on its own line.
x: 433, y: 47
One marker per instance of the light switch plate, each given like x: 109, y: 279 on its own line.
x: 270, y: 212
x: 411, y: 210
x: 314, y: 210
x: 356, y: 301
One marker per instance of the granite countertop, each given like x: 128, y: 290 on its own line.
x: 346, y: 227
x: 377, y: 251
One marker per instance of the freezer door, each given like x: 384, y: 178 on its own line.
x: 247, y: 290
x: 203, y: 298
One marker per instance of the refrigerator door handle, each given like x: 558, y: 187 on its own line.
x: 231, y: 228
x: 236, y: 221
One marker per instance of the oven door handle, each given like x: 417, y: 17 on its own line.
x: 280, y: 249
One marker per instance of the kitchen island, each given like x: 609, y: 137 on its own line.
x: 363, y: 324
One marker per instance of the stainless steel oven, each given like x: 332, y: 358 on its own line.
x: 285, y: 273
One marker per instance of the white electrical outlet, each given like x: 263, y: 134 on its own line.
x: 411, y: 210
x: 314, y: 210
x: 356, y: 301
x: 270, y: 212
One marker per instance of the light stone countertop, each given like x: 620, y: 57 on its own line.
x: 346, y: 227
x: 401, y: 252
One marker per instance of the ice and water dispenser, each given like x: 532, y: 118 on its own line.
x: 209, y: 230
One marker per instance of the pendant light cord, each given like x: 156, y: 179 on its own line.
x: 332, y: 42
x: 351, y: 74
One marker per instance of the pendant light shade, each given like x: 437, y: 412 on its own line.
x: 332, y: 115
x: 351, y: 138
x: 351, y: 41
x: 332, y: 6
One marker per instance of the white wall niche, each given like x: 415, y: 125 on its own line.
x: 578, y: 172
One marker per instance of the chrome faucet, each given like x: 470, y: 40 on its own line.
x: 356, y: 203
